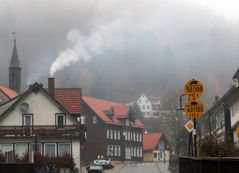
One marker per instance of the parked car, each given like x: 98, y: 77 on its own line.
x: 95, y: 169
x: 106, y: 164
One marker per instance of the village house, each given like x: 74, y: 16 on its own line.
x: 156, y: 147
x: 112, y: 133
x: 35, y: 121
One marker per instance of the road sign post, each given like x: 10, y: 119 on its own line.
x: 194, y: 108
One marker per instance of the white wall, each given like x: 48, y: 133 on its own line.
x: 40, y: 106
x: 76, y: 152
x: 145, y: 105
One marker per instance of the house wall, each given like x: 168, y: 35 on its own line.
x: 145, y: 106
x: 76, y: 153
x: 148, y: 156
x: 40, y: 106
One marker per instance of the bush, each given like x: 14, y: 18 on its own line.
x: 211, y: 147
x: 65, y: 161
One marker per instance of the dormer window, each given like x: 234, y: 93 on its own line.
x: 127, y: 123
x: 60, y: 120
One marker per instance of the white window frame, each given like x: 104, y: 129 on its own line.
x: 111, y: 134
x: 45, y: 148
x: 115, y: 150
x: 64, y: 144
x: 140, y: 137
x: 118, y: 134
x: 94, y: 120
x: 107, y: 133
x: 82, y: 119
x: 24, y: 120
x: 115, y: 134
x: 119, y: 150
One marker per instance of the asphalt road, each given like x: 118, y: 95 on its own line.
x: 145, y: 168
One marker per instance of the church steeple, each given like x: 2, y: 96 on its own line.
x: 15, y: 70
x: 14, y: 59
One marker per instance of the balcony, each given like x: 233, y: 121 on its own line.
x: 72, y: 131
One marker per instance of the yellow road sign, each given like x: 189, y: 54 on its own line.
x: 193, y: 89
x: 237, y: 130
x: 194, y: 109
x: 189, y: 126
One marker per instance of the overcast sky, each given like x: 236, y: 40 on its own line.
x: 116, y: 49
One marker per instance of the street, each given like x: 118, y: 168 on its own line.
x: 147, y: 167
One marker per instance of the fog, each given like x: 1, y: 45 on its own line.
x: 117, y: 49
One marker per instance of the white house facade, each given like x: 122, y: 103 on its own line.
x: 35, y: 122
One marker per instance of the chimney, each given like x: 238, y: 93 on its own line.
x: 51, y: 86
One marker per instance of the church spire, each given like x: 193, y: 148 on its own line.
x: 15, y: 69
x: 14, y: 59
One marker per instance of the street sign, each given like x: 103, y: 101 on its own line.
x: 189, y: 126
x: 193, y: 89
x: 237, y: 130
x: 194, y: 109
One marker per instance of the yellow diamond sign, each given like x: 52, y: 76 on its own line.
x: 189, y: 126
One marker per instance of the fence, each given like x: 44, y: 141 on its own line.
x: 209, y: 165
x: 16, y: 168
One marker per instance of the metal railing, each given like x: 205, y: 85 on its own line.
x: 43, y: 130
x: 209, y: 165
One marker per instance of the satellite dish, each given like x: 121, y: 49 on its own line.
x: 24, y: 107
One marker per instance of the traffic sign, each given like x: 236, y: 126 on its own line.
x: 193, y: 89
x: 194, y: 109
x: 189, y: 126
x: 237, y: 130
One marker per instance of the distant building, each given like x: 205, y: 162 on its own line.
x: 156, y: 147
x: 111, y: 132
x: 149, y: 106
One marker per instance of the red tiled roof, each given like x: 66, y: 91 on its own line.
x: 120, y: 110
x: 70, y: 99
x: 151, y: 140
x: 8, y: 92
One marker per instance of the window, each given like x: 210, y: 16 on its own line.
x: 111, y: 134
x: 127, y: 122
x: 115, y: 135
x: 140, y: 152
x: 21, y: 149
x: 115, y: 151
x: 134, y: 136
x: 134, y: 151
x: 119, y: 151
x: 137, y: 152
x: 27, y: 119
x: 32, y: 148
x: 82, y: 119
x: 64, y: 149
x: 137, y: 137
x: 5, y: 148
x: 140, y: 137
x: 155, y: 155
x: 108, y: 152
x: 112, y: 150
x: 50, y: 150
x: 94, y: 120
x: 60, y: 120
x: 107, y: 133
x: 118, y: 135
x: 128, y: 136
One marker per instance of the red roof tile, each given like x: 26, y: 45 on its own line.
x: 120, y: 110
x: 151, y: 140
x: 70, y: 99
x: 8, y: 92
